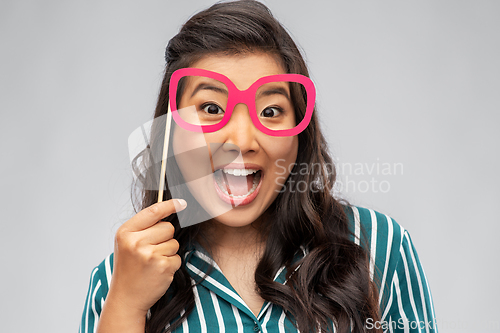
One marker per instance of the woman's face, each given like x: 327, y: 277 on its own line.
x: 246, y: 168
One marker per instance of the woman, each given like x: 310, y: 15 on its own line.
x: 273, y: 256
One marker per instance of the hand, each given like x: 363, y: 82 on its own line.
x: 145, y: 257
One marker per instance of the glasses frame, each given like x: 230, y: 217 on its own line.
x: 247, y: 97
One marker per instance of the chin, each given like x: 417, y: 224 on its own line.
x: 235, y: 219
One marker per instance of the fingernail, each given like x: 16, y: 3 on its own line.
x: 179, y: 204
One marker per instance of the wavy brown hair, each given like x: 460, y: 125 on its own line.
x: 333, y: 282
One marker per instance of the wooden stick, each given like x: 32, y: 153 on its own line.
x: 165, y: 154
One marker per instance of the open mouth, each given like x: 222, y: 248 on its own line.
x: 237, y: 186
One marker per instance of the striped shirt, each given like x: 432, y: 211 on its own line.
x: 404, y: 296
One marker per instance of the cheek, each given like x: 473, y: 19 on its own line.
x: 287, y: 146
x: 283, y: 149
x: 191, y: 153
x: 183, y: 140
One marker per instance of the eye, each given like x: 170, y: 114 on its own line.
x: 212, y: 109
x: 271, y: 112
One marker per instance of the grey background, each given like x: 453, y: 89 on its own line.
x: 413, y: 82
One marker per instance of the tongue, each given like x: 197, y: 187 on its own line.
x: 238, y: 185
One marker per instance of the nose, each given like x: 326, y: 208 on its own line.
x: 241, y: 130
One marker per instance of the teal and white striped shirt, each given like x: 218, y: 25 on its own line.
x: 404, y: 296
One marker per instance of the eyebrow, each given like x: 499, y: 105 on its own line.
x: 273, y: 91
x: 207, y: 86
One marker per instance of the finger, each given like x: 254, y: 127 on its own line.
x: 158, y: 233
x: 152, y: 214
x: 171, y: 264
x: 168, y: 248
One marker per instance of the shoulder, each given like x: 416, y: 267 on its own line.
x: 100, y: 279
x: 381, y: 237
x: 101, y: 276
x: 373, y: 230
x: 394, y: 265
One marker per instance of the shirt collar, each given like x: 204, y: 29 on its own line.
x: 201, y: 259
x: 198, y: 263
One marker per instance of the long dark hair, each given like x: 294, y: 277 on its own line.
x: 333, y: 282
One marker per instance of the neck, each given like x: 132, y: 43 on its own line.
x: 222, y: 240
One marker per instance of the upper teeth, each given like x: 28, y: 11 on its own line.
x: 240, y: 172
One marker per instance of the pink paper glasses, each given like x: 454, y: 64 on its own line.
x: 203, y: 101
